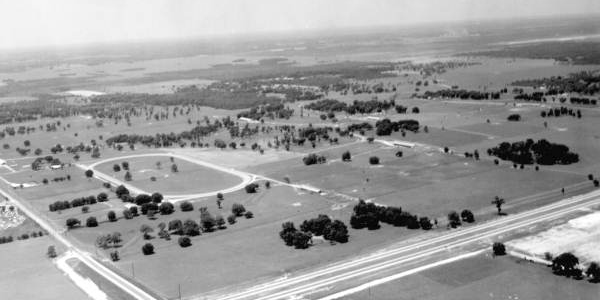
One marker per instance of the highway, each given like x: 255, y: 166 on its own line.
x: 84, y: 257
x: 335, y: 279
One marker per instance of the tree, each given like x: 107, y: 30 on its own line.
x: 207, y: 220
x: 112, y: 216
x: 51, y: 252
x: 121, y: 190
x: 316, y: 225
x: 251, y: 188
x: 248, y: 214
x: 114, y: 255
x: 128, y: 176
x: 593, y: 272
x: 287, y: 233
x: 127, y: 214
x: 498, y: 249
x: 148, y: 249
x: 89, y: 173
x: 425, y: 223
x: 374, y: 160
x: 453, y: 219
x: 125, y: 166
x: 146, y: 230
x: 220, y: 222
x: 346, y: 156
x: 91, y: 222
x: 72, y: 222
x: 176, y: 226
x: 158, y: 165
x: 301, y: 239
x: 238, y: 209
x: 103, y: 240
x: 85, y: 209
x: 514, y: 117
x: 231, y: 219
x: 467, y: 216
x: 174, y: 168
x: 498, y: 202
x: 336, y: 231
x: 184, y: 241
x: 102, y: 197
x: 116, y: 168
x: 157, y: 197
x: 190, y: 228
x: 565, y: 264
x: 166, y: 208
x: 186, y: 206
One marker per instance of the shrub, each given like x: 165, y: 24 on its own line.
x: 91, y: 222
x: 453, y: 219
x: 251, y: 188
x: 249, y: 215
x: 51, y: 252
x: 514, y: 117
x: 425, y: 223
x: 114, y: 255
x: 121, y: 190
x: 102, y: 197
x: 566, y: 264
x: 220, y: 221
x: 184, y: 241
x: 467, y: 216
x: 207, y: 220
x: 85, y: 209
x: 316, y: 225
x: 498, y: 249
x: 312, y: 159
x: 176, y: 226
x: 186, y: 206
x: 166, y: 208
x: 231, y: 219
x: 346, y: 156
x: 148, y: 249
x: 190, y: 228
x: 238, y: 209
x: 127, y: 214
x: 134, y: 210
x: 72, y: 222
x: 374, y: 160
x: 112, y: 216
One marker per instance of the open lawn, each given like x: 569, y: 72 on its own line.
x: 483, y: 277
x: 189, y: 179
x: 28, y: 274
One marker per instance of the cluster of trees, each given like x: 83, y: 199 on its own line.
x: 584, y: 101
x: 24, y: 236
x: 109, y: 240
x: 293, y: 237
x: 368, y: 215
x: 561, y: 111
x: 567, y: 264
x: 361, y: 107
x: 360, y: 127
x: 270, y: 111
x: 331, y: 230
x: 585, y: 82
x: 163, y: 139
x: 528, y: 152
x: 89, y: 200
x: 454, y: 220
x: 461, y: 94
x: 514, y: 117
x: 312, y: 159
x: 57, y: 179
x: 386, y: 127
x: 39, y: 162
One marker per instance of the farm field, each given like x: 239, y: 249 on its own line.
x: 29, y: 274
x: 483, y: 277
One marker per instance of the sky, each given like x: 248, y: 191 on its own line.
x: 32, y: 23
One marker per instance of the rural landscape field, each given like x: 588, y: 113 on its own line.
x: 445, y: 160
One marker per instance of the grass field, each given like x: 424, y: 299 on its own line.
x: 29, y: 274
x: 189, y: 179
x: 484, y: 277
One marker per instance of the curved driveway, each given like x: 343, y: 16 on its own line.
x: 247, y: 178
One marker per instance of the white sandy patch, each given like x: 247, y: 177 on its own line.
x: 84, y: 93
x: 560, y: 129
x: 580, y: 236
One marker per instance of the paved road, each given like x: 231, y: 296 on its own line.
x: 84, y: 257
x: 334, y: 280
